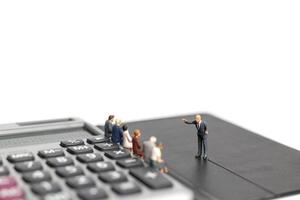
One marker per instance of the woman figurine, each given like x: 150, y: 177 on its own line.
x: 136, y: 143
x: 156, y: 161
x: 127, y: 139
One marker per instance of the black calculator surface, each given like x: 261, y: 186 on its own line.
x: 241, y: 165
x: 69, y: 159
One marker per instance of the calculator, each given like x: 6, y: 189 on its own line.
x: 70, y: 159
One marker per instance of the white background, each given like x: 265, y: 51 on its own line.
x: 146, y: 59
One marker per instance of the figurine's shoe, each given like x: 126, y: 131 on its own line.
x: 197, y: 156
x: 205, y: 157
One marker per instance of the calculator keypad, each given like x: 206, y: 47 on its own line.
x: 83, y: 168
x: 80, y: 149
x: 69, y: 171
x: 90, y: 157
x: 36, y: 176
x: 28, y: 166
x: 101, y: 167
x: 93, y: 193
x: 20, y: 157
x: 80, y: 182
x: 46, y: 187
x: 60, y: 161
x: 49, y: 153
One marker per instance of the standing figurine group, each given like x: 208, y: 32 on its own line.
x: 149, y: 151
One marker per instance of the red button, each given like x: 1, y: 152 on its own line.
x: 7, y: 182
x: 13, y: 193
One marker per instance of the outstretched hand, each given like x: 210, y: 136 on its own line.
x: 184, y: 120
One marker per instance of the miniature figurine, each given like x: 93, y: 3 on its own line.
x: 156, y: 160
x: 148, y: 147
x: 202, y: 134
x: 108, y: 126
x: 136, y: 143
x: 127, y: 139
x: 117, y: 133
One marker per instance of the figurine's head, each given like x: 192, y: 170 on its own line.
x: 136, y: 133
x: 125, y: 127
x: 160, y: 145
x: 197, y: 118
x: 153, y: 139
x: 111, y: 118
x: 118, y: 122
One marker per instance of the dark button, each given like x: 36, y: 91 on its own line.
x: 79, y: 182
x: 92, y: 194
x: 69, y: 171
x: 49, y: 153
x: 20, y: 157
x: 106, y: 146
x: 36, y: 176
x: 58, y: 196
x: 59, y: 161
x: 113, y: 177
x: 80, y: 149
x: 97, y: 139
x: 69, y: 143
x: 101, y: 167
x: 130, y: 163
x: 126, y: 188
x: 90, y: 157
x: 45, y: 187
x: 152, y: 179
x: 3, y: 171
x: 28, y: 166
x: 118, y: 154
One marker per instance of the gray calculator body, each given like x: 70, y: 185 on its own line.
x: 32, y: 137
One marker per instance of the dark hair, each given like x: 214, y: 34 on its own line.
x: 110, y: 117
x: 125, y: 127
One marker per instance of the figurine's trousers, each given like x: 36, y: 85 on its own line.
x: 202, y: 141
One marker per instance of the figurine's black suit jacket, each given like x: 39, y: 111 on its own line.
x: 200, y: 130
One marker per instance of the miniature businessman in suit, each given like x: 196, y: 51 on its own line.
x: 201, y: 134
x: 108, y: 126
x: 117, y: 134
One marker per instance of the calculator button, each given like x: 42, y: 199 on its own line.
x: 118, y: 154
x: 69, y: 171
x: 20, y: 157
x: 58, y: 196
x: 97, y: 139
x: 59, y: 161
x: 28, y: 166
x: 36, y: 176
x: 92, y: 194
x: 49, y: 153
x: 3, y: 171
x: 130, y: 163
x: 126, y: 188
x: 101, y: 167
x: 69, y: 143
x: 80, y: 149
x: 7, y: 182
x: 45, y: 187
x: 152, y: 179
x: 79, y: 182
x: 113, y: 177
x: 106, y: 146
x: 14, y: 193
x: 90, y: 157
